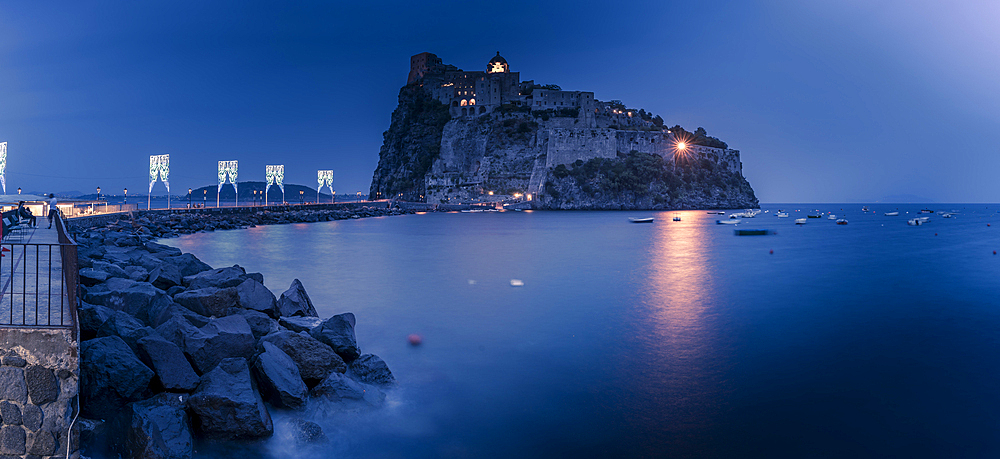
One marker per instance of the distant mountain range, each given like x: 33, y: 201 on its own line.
x: 246, y: 190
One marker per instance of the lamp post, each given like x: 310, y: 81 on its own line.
x: 98, y: 193
x: 126, y: 195
x: 18, y: 191
x: 206, y: 198
x: 301, y: 197
x: 189, y: 198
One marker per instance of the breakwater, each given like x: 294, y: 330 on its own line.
x: 175, y: 352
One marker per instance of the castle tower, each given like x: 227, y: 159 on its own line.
x: 497, y: 65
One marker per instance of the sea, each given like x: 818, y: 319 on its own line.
x: 669, y: 339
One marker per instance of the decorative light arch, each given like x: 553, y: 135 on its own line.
x: 275, y: 174
x: 228, y: 170
x: 325, y: 178
x: 3, y: 166
x: 159, y: 169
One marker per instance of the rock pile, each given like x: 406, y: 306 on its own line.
x: 174, y: 351
x: 164, y: 224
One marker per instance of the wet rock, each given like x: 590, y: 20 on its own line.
x: 218, y: 278
x: 347, y: 392
x: 156, y: 428
x: 125, y: 327
x: 227, y: 407
x: 260, y: 324
x: 175, y: 290
x: 12, y: 385
x: 177, y: 330
x: 43, y: 387
x: 165, y: 276
x: 314, y: 359
x: 278, y: 378
x: 90, y: 277
x: 111, y: 269
x: 160, y: 250
x: 295, y: 302
x: 371, y: 369
x: 111, y: 376
x: 254, y: 295
x: 338, y: 333
x: 300, y: 324
x: 175, y: 310
x: 257, y: 277
x: 172, y: 369
x: 209, y: 301
x: 307, y: 432
x: 222, y: 338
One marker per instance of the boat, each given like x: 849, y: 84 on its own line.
x: 641, y: 220
x: 841, y: 221
x: 814, y: 216
x: 751, y: 232
x: 864, y: 209
x: 800, y: 221
x: 716, y: 213
x: 781, y: 215
x: 727, y: 222
x: 926, y: 211
x: 831, y: 217
x: 677, y: 219
x: 914, y: 222
x: 946, y: 215
x: 892, y: 214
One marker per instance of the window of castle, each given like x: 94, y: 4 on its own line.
x: 464, y: 103
x: 472, y: 101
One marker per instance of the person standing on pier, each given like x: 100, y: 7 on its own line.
x: 52, y: 208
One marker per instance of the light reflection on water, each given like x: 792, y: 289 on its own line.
x: 673, y: 338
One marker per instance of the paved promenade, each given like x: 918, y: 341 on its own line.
x: 32, y: 287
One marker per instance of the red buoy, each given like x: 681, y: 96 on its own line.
x: 772, y: 251
x: 414, y: 339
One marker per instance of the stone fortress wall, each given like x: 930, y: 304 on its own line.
x: 39, y: 381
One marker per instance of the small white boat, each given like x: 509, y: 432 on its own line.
x: 914, y: 222
x: 641, y: 220
x: 841, y: 221
x: 831, y: 217
x: 946, y: 215
x: 801, y: 221
x: 677, y: 219
x: 716, y: 213
x: 516, y: 283
x: 781, y: 215
x: 892, y: 214
x: 727, y: 222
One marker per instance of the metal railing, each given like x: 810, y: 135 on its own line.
x: 39, y: 282
x: 81, y: 210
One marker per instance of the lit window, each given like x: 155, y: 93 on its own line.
x: 472, y: 101
x: 464, y: 102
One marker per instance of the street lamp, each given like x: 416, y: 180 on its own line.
x: 301, y: 197
x: 189, y: 198
x: 18, y: 190
x: 126, y: 196
x: 98, y: 193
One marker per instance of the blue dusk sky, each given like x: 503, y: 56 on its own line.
x: 828, y: 101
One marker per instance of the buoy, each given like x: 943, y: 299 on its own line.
x: 414, y: 339
x: 772, y: 251
x: 935, y: 234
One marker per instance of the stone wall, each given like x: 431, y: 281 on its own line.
x: 651, y: 142
x: 39, y: 380
x: 568, y: 145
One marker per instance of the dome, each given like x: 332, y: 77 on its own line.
x: 497, y: 65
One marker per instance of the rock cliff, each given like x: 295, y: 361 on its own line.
x: 557, y: 159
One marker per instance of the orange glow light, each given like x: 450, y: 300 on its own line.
x: 682, y: 145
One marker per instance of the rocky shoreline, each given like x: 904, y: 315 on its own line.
x: 175, y: 353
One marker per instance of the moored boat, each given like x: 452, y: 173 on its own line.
x: 641, y: 220
x: 781, y: 215
x: 727, y: 222
x: 841, y: 221
x: 800, y: 221
x: 892, y: 214
x: 751, y: 232
x: 831, y: 217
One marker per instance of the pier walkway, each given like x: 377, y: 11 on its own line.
x: 35, y: 289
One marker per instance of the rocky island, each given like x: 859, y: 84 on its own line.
x: 486, y: 136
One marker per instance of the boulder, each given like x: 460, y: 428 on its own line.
x: 125, y: 327
x: 257, y: 277
x: 137, y: 273
x: 175, y: 290
x: 165, y: 276
x: 208, y: 301
x: 254, y: 295
x: 260, y: 324
x: 307, y: 432
x: 174, y: 309
x: 347, y: 392
x: 295, y: 302
x: 187, y: 264
x: 111, y: 376
x: 226, y: 405
x: 12, y: 385
x: 299, y: 323
x: 177, y: 330
x: 161, y: 251
x: 144, y: 259
x: 338, y: 333
x: 125, y: 295
x: 90, y: 277
x: 371, y: 369
x: 314, y: 359
x: 278, y: 378
x: 218, y: 278
x: 91, y: 317
x: 222, y: 338
x: 111, y: 269
x: 172, y: 369
x: 156, y: 428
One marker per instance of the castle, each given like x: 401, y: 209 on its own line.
x: 569, y: 126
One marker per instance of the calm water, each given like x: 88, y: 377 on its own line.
x: 670, y: 339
